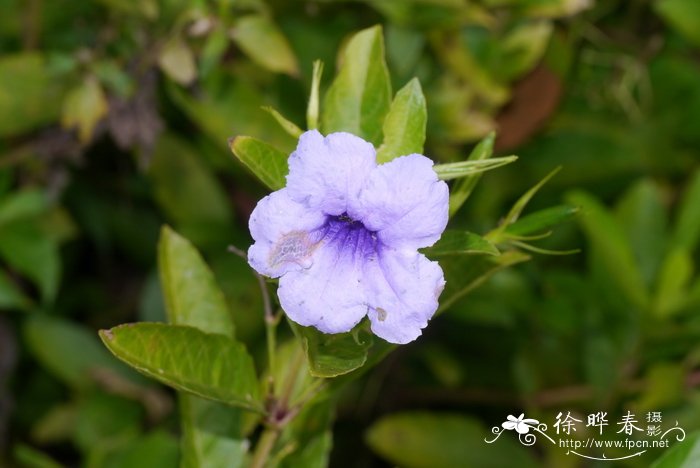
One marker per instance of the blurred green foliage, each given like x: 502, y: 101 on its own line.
x: 115, y: 117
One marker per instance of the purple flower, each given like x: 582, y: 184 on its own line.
x: 343, y: 235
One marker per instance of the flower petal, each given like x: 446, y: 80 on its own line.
x: 509, y: 425
x: 282, y: 231
x: 327, y: 295
x: 328, y: 173
x: 402, y: 292
x: 522, y: 428
x: 405, y: 203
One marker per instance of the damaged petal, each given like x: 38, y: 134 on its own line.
x: 294, y: 247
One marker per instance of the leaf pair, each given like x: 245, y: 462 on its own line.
x: 197, y: 354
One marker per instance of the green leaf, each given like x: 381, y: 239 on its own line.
x: 464, y: 274
x: 674, y: 277
x: 606, y: 235
x: 265, y: 161
x: 177, y: 61
x: 431, y: 440
x: 212, y: 366
x: 456, y: 170
x: 461, y: 242
x: 157, y: 449
x: 214, y: 49
x: 522, y: 202
x: 30, y: 250
x: 333, y: 355
x: 211, y: 431
x: 260, y: 38
x: 84, y: 107
x: 29, y: 98
x: 145, y: 8
x: 26, y: 203
x: 682, y: 15
x: 185, y: 187
x: 228, y: 105
x: 683, y: 455
x: 30, y: 457
x: 404, y: 126
x: 315, y: 453
x: 288, y: 126
x: 523, y: 47
x: 312, y: 110
x: 102, y: 416
x: 191, y: 294
x: 360, y: 96
x: 11, y: 297
x: 541, y: 220
x: 463, y: 188
x: 70, y: 352
x: 211, y: 434
x: 687, y: 229
x: 642, y: 215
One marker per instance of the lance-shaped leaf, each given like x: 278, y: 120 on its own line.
x: 191, y: 294
x: 265, y: 161
x: 312, y: 109
x: 460, y: 242
x: 541, y: 220
x: 333, y: 355
x: 683, y: 455
x: 672, y: 282
x: 287, y: 125
x: 404, y: 126
x: 687, y: 230
x: 360, y: 96
x: 463, y: 187
x: 211, y: 432
x: 456, y: 170
x: 70, y: 352
x: 421, y: 439
x: 260, y: 38
x: 497, y: 235
x: 209, y: 365
x: 606, y: 235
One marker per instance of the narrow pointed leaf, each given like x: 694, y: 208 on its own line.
x: 212, y: 366
x: 541, y: 220
x: 606, y: 235
x: 32, y: 252
x: 463, y: 187
x: 674, y: 276
x: 287, y: 125
x: 191, y: 294
x: 211, y: 432
x: 687, y: 231
x: 360, y: 96
x: 461, y: 242
x: 685, y: 454
x: 265, y: 161
x: 522, y: 202
x: 456, y: 170
x: 312, y: 110
x: 404, y: 126
x: 70, y: 352
x: 262, y: 40
x: 441, y: 440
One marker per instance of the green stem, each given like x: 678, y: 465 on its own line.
x: 264, y: 447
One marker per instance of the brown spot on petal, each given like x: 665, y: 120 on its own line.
x: 293, y: 247
x: 381, y: 314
